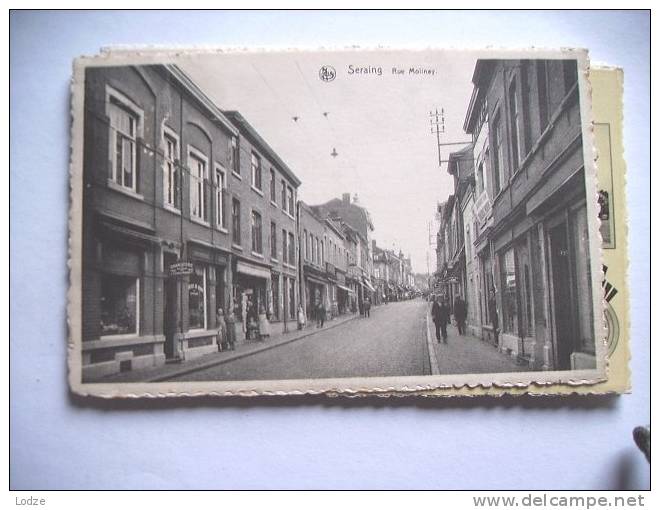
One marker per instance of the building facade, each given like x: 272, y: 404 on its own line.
x: 531, y: 236
x: 263, y: 194
x: 172, y: 229
x: 356, y: 219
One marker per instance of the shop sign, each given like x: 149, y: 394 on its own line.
x: 181, y: 268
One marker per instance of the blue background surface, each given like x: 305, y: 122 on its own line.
x: 60, y: 442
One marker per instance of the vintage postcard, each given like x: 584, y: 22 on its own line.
x: 344, y: 222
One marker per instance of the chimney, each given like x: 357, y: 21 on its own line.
x: 346, y: 198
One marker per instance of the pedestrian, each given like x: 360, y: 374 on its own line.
x: 440, y: 314
x: 230, y: 321
x: 494, y: 318
x: 367, y: 307
x: 320, y: 314
x: 301, y: 317
x: 222, y: 330
x: 252, y: 319
x: 460, y: 314
x: 264, y: 324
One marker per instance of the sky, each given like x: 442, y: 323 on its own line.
x: 377, y: 124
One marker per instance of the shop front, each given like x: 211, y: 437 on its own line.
x: 192, y: 297
x: 119, y: 331
x: 251, y: 295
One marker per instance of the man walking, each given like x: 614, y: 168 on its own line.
x: 460, y: 314
x: 440, y: 314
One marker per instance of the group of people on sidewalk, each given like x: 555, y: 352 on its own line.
x: 441, y: 315
x: 257, y: 325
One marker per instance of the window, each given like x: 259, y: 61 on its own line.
x: 509, y: 292
x: 236, y: 221
x: 525, y: 107
x: 273, y: 240
x: 123, y: 137
x: 515, y: 120
x: 256, y: 171
x: 197, y: 298
x: 234, y: 161
x: 498, y: 157
x: 292, y: 249
x: 171, y: 171
x: 197, y: 164
x: 256, y: 233
x: 219, y: 198
x: 273, y: 184
x: 291, y: 201
x: 322, y: 251
x: 480, y: 178
x: 306, y: 252
x: 120, y: 307
x: 285, y: 250
x: 542, y: 80
x: 283, y: 195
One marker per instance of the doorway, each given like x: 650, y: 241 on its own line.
x: 170, y: 311
x: 563, y: 299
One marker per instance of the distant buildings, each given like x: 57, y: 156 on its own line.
x: 513, y: 238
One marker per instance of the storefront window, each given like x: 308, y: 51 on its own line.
x: 119, y: 304
x: 509, y: 297
x: 197, y: 298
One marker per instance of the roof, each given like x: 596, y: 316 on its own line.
x: 185, y: 82
x: 480, y: 79
x: 250, y: 132
x: 464, y: 155
x: 355, y: 215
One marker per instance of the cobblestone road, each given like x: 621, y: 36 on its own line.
x: 392, y: 342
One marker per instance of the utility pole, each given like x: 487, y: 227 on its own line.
x: 437, y: 120
x: 437, y: 127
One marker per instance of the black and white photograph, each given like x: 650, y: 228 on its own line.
x: 268, y: 222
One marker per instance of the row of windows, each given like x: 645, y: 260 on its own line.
x: 315, y: 250
x: 518, y: 121
x: 125, y: 122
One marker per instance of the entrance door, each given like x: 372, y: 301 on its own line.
x: 561, y: 282
x: 170, y: 312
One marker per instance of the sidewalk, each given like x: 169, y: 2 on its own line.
x: 168, y: 371
x: 467, y: 354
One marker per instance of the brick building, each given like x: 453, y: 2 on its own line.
x: 324, y: 263
x: 160, y: 224
x: 348, y: 212
x: 530, y: 233
x: 263, y: 194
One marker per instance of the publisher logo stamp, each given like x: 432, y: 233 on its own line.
x: 327, y: 73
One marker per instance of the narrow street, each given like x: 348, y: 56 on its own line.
x: 392, y: 342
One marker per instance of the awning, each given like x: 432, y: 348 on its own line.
x: 252, y: 270
x: 128, y: 232
x: 350, y: 291
x: 368, y: 285
x: 315, y: 280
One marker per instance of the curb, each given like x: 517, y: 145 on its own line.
x: 433, y: 358
x: 239, y: 355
